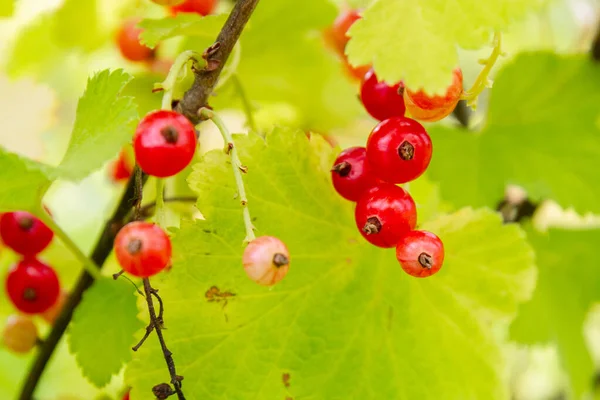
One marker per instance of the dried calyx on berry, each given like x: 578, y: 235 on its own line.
x: 266, y: 260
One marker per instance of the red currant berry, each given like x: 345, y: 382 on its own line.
x: 202, y: 7
x: 128, y: 40
x: 351, y: 174
x: 24, y: 233
x: 433, y: 108
x: 266, y: 260
x: 399, y: 150
x: 164, y: 143
x: 381, y: 100
x: 32, y: 286
x: 52, y: 313
x: 142, y: 249
x: 121, y: 168
x: 126, y: 396
x: 384, y: 213
x: 336, y: 34
x: 20, y: 334
x: 420, y: 253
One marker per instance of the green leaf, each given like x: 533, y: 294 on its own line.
x: 186, y: 24
x: 76, y: 25
x: 105, y: 121
x: 377, y: 331
x: 24, y: 182
x: 568, y: 285
x: 416, y: 41
x: 7, y: 8
x: 103, y: 328
x: 542, y: 136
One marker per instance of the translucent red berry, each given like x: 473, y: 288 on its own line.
x: 121, y: 168
x: 142, y: 249
x: 336, y: 35
x: 433, y: 108
x: 420, y: 253
x: 384, y: 214
x: 164, y: 143
x: 351, y: 174
x: 128, y: 40
x: 266, y: 260
x: 399, y: 150
x: 381, y: 100
x: 24, y: 233
x: 32, y: 286
x: 20, y: 334
x: 202, y: 7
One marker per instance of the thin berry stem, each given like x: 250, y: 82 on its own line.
x: 87, y: 263
x: 160, y: 216
x: 237, y: 167
x: 229, y: 69
x: 174, y: 72
x: 248, y: 109
x: 482, y: 80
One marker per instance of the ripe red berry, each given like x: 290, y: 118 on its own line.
x: 399, y: 150
x: 384, y: 214
x: 381, y: 100
x: 202, y: 7
x: 121, y: 168
x: 266, y: 260
x: 32, y: 286
x: 142, y: 249
x: 336, y: 34
x: 420, y: 253
x: 433, y: 108
x: 126, y: 396
x: 24, y: 233
x: 129, y: 42
x: 164, y: 143
x: 351, y: 174
x: 20, y: 334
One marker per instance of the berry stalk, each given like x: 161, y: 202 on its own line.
x: 174, y: 72
x: 237, y: 166
x: 482, y: 80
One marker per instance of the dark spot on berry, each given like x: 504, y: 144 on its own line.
x: 406, y: 151
x: 372, y: 226
x: 342, y: 169
x: 425, y: 260
x: 170, y: 134
x: 401, y: 90
x: 25, y: 222
x: 279, y: 260
x: 29, y: 294
x: 134, y: 246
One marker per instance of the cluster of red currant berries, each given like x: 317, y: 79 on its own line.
x: 128, y: 35
x: 32, y: 286
x: 398, y: 151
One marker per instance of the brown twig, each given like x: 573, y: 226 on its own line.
x: 595, y: 50
x: 193, y: 99
x: 216, y: 56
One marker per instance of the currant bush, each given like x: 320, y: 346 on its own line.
x: 32, y: 286
x: 164, y: 143
x: 128, y: 41
x: 142, y: 249
x: 420, y: 253
x: 24, y: 233
x: 433, y: 108
x: 20, y: 334
x: 384, y: 214
x: 266, y: 260
x: 399, y: 150
x: 351, y: 174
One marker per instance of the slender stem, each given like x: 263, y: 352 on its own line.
x: 160, y: 217
x: 482, y: 80
x: 175, y: 381
x: 245, y: 103
x: 174, y: 72
x: 237, y: 167
x: 229, y: 70
x: 88, y: 264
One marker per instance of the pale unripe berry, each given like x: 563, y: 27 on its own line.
x: 20, y: 334
x: 266, y: 260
